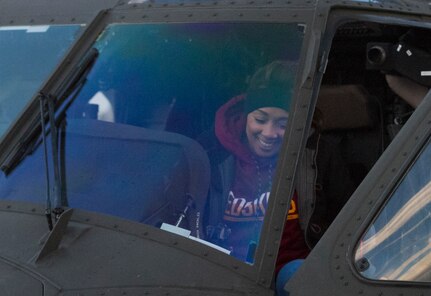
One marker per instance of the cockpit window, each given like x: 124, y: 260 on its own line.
x: 141, y: 139
x: 27, y: 56
x: 396, y: 246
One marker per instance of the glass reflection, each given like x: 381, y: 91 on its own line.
x: 28, y: 54
x: 397, y: 246
x: 138, y: 141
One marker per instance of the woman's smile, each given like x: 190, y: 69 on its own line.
x: 265, y: 130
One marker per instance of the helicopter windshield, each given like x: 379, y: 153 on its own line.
x: 27, y: 56
x: 138, y: 139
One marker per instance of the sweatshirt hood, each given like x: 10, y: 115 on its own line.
x: 230, y: 123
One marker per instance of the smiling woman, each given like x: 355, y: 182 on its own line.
x: 265, y: 130
x: 251, y: 127
x: 267, y: 106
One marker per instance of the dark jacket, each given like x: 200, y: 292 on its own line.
x: 316, y: 179
x: 241, y: 184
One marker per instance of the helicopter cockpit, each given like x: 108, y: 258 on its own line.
x: 129, y: 133
x: 127, y: 128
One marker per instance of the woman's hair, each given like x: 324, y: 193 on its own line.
x: 271, y: 86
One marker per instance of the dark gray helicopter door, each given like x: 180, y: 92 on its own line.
x: 379, y: 244
x: 380, y: 241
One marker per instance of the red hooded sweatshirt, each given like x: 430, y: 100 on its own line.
x: 248, y: 196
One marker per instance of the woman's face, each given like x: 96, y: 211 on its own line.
x: 265, y: 130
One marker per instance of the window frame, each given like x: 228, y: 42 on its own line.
x: 332, y: 262
x: 263, y: 268
x: 391, y: 194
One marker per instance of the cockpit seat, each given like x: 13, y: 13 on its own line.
x: 135, y: 173
x: 345, y: 107
x: 351, y: 119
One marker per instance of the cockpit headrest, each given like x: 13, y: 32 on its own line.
x: 344, y: 107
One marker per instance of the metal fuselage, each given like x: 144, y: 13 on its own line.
x: 100, y: 244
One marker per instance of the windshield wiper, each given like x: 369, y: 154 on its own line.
x: 70, y: 88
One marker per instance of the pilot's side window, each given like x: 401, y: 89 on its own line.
x: 397, y: 246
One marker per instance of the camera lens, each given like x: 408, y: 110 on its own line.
x: 376, y: 55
